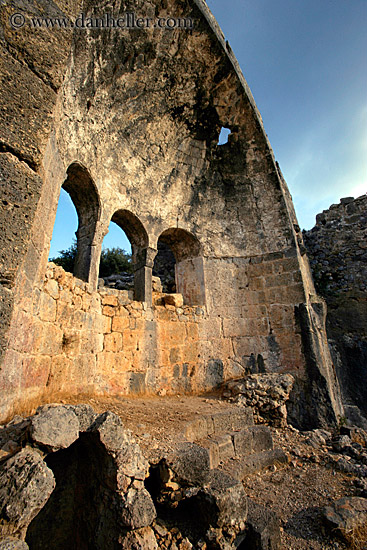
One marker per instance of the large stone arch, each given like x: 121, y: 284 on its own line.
x: 84, y: 195
x: 142, y: 255
x: 189, y: 268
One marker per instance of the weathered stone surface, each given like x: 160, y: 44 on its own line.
x: 336, y: 247
x: 85, y: 414
x: 266, y: 393
x: 348, y: 516
x: 25, y: 486
x: 152, y: 165
x: 236, y: 419
x: 55, y: 427
x: 316, y: 438
x: 138, y: 510
x: 99, y: 490
x: 116, y: 439
x: 10, y: 543
x: 252, y: 440
x: 14, y: 435
x: 225, y: 500
x: 190, y: 464
x: 141, y: 539
x: 338, y: 258
x: 175, y: 300
x: 357, y: 435
x: 263, y: 529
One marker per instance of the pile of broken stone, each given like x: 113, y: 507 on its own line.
x: 265, y: 393
x: 49, y: 461
x: 178, y: 503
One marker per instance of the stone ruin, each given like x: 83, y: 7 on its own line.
x: 127, y: 121
x: 76, y: 479
x: 337, y: 248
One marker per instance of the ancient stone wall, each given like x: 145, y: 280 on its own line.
x: 32, y: 66
x: 134, y: 139
x: 337, y: 247
x: 80, y: 340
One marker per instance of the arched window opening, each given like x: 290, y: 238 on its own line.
x: 140, y: 268
x: 165, y: 267
x: 83, y: 194
x: 187, y: 269
x: 63, y: 243
x: 115, y: 267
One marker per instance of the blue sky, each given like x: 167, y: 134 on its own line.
x: 306, y: 64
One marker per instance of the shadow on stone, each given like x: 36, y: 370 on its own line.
x: 79, y: 514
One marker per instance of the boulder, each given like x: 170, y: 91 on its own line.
x: 225, y: 499
x: 55, y: 427
x: 348, y: 518
x: 130, y: 461
x: 263, y: 529
x: 140, y: 539
x: 25, y: 486
x: 85, y: 414
x: 11, y: 543
x: 190, y: 465
x: 138, y: 509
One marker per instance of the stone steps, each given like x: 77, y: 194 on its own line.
x: 241, y: 467
x: 233, y: 443
x: 217, y: 423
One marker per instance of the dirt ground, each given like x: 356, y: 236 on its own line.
x: 296, y: 492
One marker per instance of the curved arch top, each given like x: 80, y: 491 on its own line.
x: 83, y: 192
x: 133, y: 227
x: 184, y: 244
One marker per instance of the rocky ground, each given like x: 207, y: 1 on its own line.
x: 314, y: 478
x: 323, y: 467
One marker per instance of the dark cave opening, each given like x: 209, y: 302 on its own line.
x: 79, y: 513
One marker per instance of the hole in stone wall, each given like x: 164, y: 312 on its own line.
x: 63, y: 243
x: 185, y: 268
x: 79, y: 512
x: 115, y: 266
x: 84, y: 196
x: 133, y: 232
x: 224, y: 135
x: 164, y: 267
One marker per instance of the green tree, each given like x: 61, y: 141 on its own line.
x: 113, y: 260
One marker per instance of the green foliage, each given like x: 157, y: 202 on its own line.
x: 113, y: 260
x: 66, y: 258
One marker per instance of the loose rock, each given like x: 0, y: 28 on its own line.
x: 25, y: 486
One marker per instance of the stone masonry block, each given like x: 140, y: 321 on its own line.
x: 113, y: 342
x: 232, y: 420
x: 52, y: 288
x: 119, y: 324
x: 47, y: 308
x: 108, y: 300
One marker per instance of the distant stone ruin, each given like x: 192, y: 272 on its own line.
x: 127, y: 121
x: 337, y: 248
